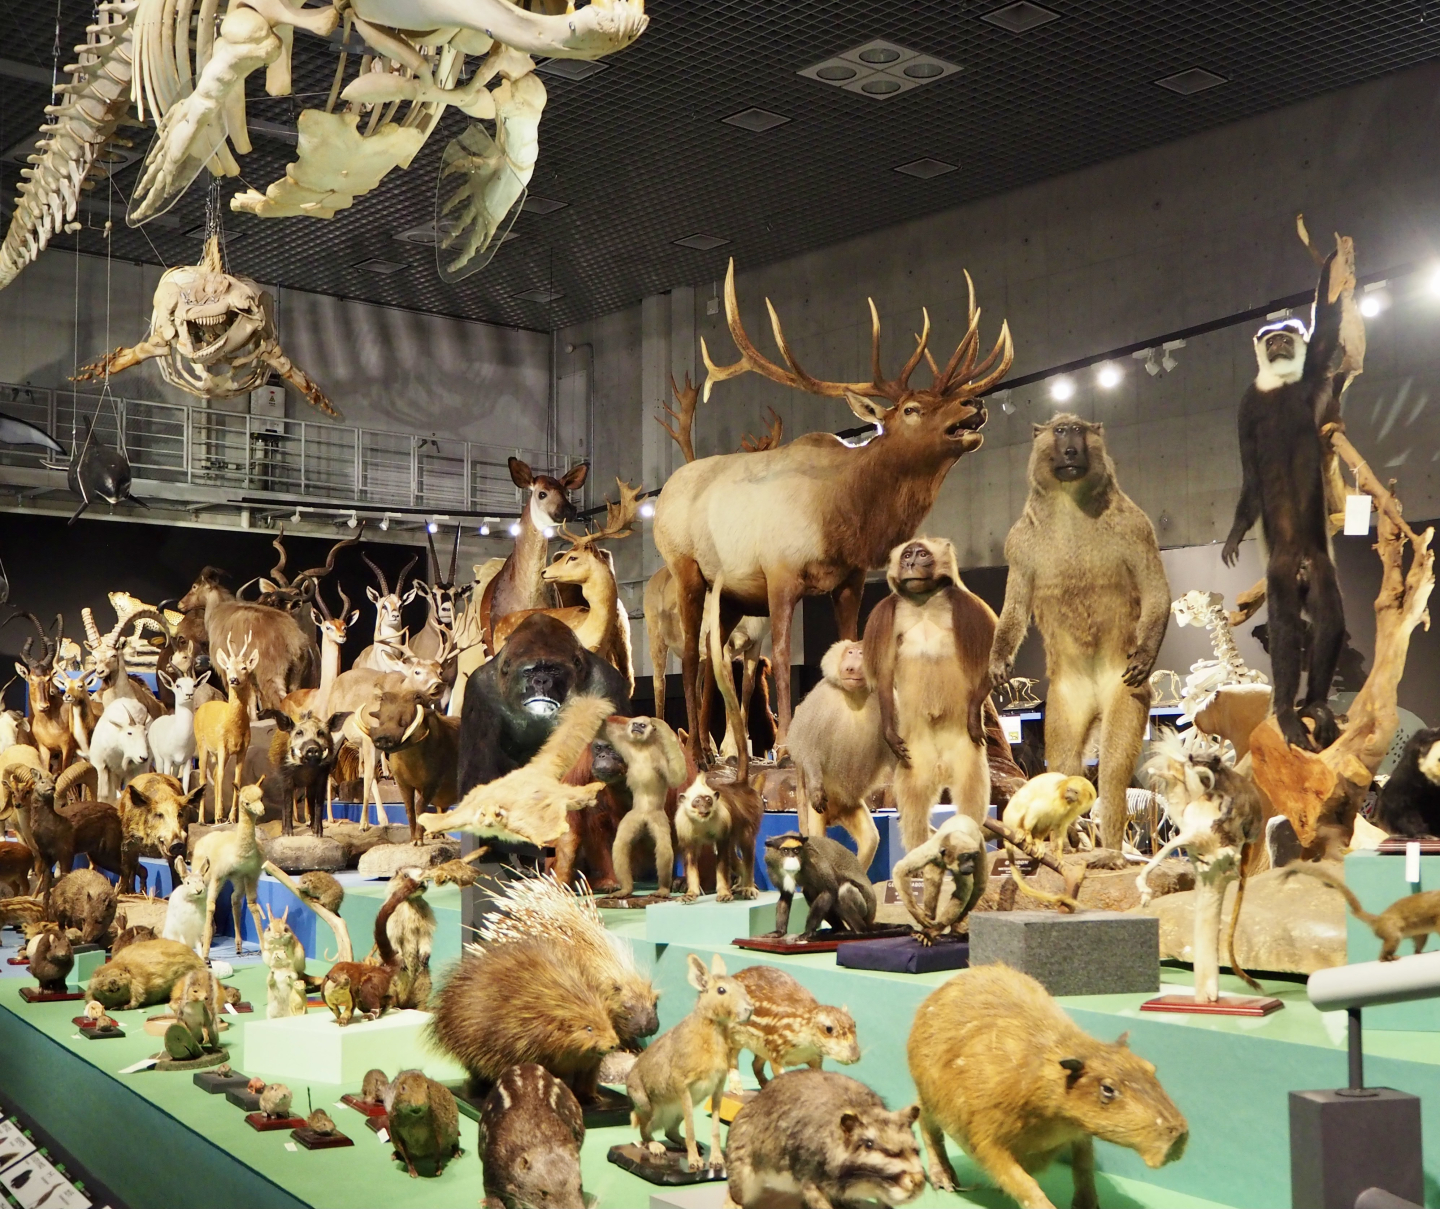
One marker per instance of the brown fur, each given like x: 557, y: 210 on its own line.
x: 687, y: 1065
x: 16, y: 863
x: 789, y: 1026
x: 588, y: 846
x: 155, y: 814
x: 927, y: 652
x: 318, y: 886
x: 84, y: 900
x: 423, y: 1121
x: 54, y: 739
x: 52, y: 957
x: 51, y: 836
x: 655, y: 764
x: 531, y: 1130
x: 423, y: 754
x: 839, y: 749
x: 352, y: 986
x: 222, y: 728
x: 1085, y: 563
x: 411, y: 932
x: 1414, y: 917
x: 1032, y: 1084
x: 723, y: 816
x: 143, y: 974
x: 131, y: 936
x: 302, y: 753
x: 203, y: 987
x: 524, y: 1002
x: 99, y: 833
x: 829, y: 1134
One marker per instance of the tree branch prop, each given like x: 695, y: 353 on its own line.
x: 337, y: 925
x: 1016, y: 846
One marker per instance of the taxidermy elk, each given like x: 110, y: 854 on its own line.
x: 286, y: 654
x: 843, y: 506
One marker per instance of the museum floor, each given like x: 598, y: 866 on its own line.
x: 157, y: 1140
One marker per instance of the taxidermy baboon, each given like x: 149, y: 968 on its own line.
x: 1282, y: 459
x: 654, y: 765
x: 1085, y: 563
x: 927, y: 646
x: 839, y: 750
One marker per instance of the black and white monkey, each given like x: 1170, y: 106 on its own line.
x: 1282, y: 458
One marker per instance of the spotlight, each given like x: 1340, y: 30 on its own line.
x: 1375, y: 300
x: 515, y: 529
x: 1151, y: 358
x: 485, y: 530
x: 1168, y: 360
x: 1433, y: 285
x: 549, y: 532
x: 1003, y: 398
x: 1108, y: 376
x: 385, y: 522
x: 647, y: 509
x: 1062, y: 389
x: 295, y: 520
x: 432, y: 527
x: 354, y: 520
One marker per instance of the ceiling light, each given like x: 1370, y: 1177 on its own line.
x: 701, y: 243
x: 1187, y: 83
x: 485, y: 530
x: 570, y: 69
x: 647, y: 509
x: 879, y: 69
x: 1433, y: 285
x: 538, y: 295
x: 542, y: 205
x: 1003, y: 398
x: 1372, y: 304
x: 383, y: 267
x: 549, y: 532
x: 1062, y: 390
x: 354, y: 520
x: 1168, y: 360
x: 515, y: 529
x: 925, y: 169
x: 432, y: 527
x: 1108, y: 376
x: 1020, y: 18
x: 757, y: 120
x: 385, y: 522
x: 1151, y: 357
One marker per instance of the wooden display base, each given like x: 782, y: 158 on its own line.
x: 108, y: 1033
x: 368, y: 1107
x: 259, y: 1122
x: 635, y: 902
x: 609, y: 1108
x: 826, y: 941
x: 311, y: 1140
x: 243, y: 1097
x: 1396, y: 845
x: 163, y: 1061
x: 217, y: 1084
x: 381, y: 1124
x: 1226, y: 1005
x: 668, y: 1168
x: 36, y: 995
x: 22, y: 960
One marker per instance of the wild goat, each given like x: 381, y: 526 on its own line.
x: 118, y: 748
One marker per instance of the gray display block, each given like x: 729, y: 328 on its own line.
x: 1092, y: 953
x: 1341, y: 1145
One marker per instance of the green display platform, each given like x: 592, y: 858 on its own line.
x: 1377, y: 882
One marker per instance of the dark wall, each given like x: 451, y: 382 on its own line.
x: 55, y: 568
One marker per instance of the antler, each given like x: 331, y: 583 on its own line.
x: 961, y: 377
x: 774, y: 431
x: 685, y: 417
x: 619, y: 519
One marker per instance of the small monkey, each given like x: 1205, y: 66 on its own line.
x: 927, y: 652
x: 725, y: 815
x: 1045, y: 807
x: 654, y: 765
x: 828, y: 874
x: 959, y: 847
x: 839, y: 750
x: 1413, y: 917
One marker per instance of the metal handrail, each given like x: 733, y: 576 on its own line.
x: 339, y: 463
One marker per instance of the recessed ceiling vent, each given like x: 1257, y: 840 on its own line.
x: 880, y: 69
x: 1188, y: 83
x: 1020, y: 18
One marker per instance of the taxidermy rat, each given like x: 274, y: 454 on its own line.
x: 51, y: 959
x: 827, y: 1135
x: 830, y: 877
x: 321, y: 887
x: 320, y: 1122
x: 275, y: 1100
x: 531, y: 1130
x: 423, y: 1121
x: 1415, y: 916
x: 372, y: 1087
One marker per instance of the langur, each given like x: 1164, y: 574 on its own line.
x: 654, y: 765
x: 927, y: 648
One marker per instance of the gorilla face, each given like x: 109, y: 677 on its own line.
x: 540, y: 666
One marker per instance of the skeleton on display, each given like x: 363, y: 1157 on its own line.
x: 1016, y: 693
x: 415, y: 56
x: 1222, y: 696
x: 213, y: 334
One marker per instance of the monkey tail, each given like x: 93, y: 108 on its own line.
x: 404, y: 890
x: 1016, y: 856
x: 1235, y: 921
x: 1320, y: 873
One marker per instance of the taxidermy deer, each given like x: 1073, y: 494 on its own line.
x: 107, y: 658
x: 333, y: 631
x: 48, y: 726
x: 389, y: 625
x: 851, y: 504
x: 172, y: 737
x: 284, y: 653
x: 602, y: 624
x: 222, y: 728
x: 519, y: 584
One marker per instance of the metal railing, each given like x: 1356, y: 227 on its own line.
x: 337, y: 463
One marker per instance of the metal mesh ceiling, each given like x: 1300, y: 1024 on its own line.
x: 640, y: 154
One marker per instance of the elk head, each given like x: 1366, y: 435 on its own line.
x: 941, y: 420
x: 585, y: 557
x: 333, y: 627
x: 387, y: 603
x: 548, y: 504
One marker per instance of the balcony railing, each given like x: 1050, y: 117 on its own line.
x: 254, y: 455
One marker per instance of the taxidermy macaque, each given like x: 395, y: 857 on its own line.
x: 1410, y: 801
x: 1085, y: 564
x: 1282, y: 460
x: 1046, y: 806
x: 655, y: 764
x: 957, y: 848
x: 927, y: 649
x: 1034, y: 1086
x: 723, y: 816
x: 836, y: 888
x: 827, y: 1134
x: 1413, y: 917
x: 839, y: 749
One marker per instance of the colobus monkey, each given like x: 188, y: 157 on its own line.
x: 1281, y: 456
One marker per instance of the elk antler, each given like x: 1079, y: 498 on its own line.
x: 774, y: 431
x: 620, y: 518
x: 960, y: 379
x: 685, y: 417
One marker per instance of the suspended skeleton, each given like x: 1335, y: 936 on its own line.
x: 213, y: 335
x: 416, y: 52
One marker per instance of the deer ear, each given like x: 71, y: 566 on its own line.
x: 870, y: 410
x: 520, y: 473
x: 575, y: 477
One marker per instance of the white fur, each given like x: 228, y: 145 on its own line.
x: 172, y: 736
x: 10, y: 720
x: 1429, y: 764
x: 1277, y: 373
x: 185, y: 915
x: 538, y: 516
x: 118, y: 747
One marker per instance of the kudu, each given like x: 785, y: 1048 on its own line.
x: 389, y: 625
x: 295, y: 595
x: 848, y: 504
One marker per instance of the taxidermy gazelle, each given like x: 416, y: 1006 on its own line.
x: 334, y: 629
x: 389, y: 626
x: 847, y: 505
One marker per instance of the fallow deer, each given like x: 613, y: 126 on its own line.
x: 845, y: 505
x: 389, y: 625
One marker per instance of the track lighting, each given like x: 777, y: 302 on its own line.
x: 1003, y: 398
x: 295, y: 520
x: 432, y: 527
x: 485, y: 530
x: 1062, y: 390
x: 515, y: 529
x: 1168, y: 360
x: 1374, y: 300
x: 354, y: 520
x: 1152, y: 360
x: 385, y: 522
x: 1108, y: 376
x: 549, y: 533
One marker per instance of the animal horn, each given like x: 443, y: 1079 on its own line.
x: 92, y: 635
x: 434, y: 561
x: 362, y: 724
x: 454, y: 558
x: 379, y: 574
x: 317, y: 573
x: 344, y: 602
x: 414, y: 724
x: 277, y: 572
x: 414, y: 558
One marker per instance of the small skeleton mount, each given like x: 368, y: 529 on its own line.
x: 213, y: 334
x: 1221, y: 696
x: 1016, y: 693
x: 1165, y: 688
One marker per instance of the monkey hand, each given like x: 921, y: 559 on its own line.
x: 1000, y: 672
x: 897, y: 745
x: 1230, y: 552
x: 1137, y: 671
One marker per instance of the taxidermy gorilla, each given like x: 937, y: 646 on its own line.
x: 1281, y: 457
x: 1084, y: 561
x: 513, y: 702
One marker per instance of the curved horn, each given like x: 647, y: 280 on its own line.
x: 454, y: 557
x: 277, y: 571
x: 379, y: 574
x: 400, y: 579
x: 152, y: 615
x: 414, y: 724
x: 362, y: 724
x: 344, y: 601
x: 92, y: 635
x: 434, y: 560
x: 315, y: 573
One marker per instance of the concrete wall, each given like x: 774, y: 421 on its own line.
x: 1118, y: 253
x: 383, y: 368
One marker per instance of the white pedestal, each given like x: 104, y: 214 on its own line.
x: 313, y: 1048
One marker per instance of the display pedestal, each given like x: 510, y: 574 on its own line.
x: 904, y: 955
x: 1342, y: 1143
x: 311, y: 1140
x: 259, y: 1122
x: 706, y: 922
x: 314, y: 1049
x: 1226, y: 1005
x: 36, y: 995
x: 1092, y: 953
x: 85, y: 965
x: 669, y: 1168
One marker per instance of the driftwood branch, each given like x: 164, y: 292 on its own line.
x: 337, y: 925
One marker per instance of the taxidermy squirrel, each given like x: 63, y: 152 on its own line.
x: 352, y: 986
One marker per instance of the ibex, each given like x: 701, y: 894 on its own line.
x: 846, y: 505
x: 389, y: 626
x: 107, y: 658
